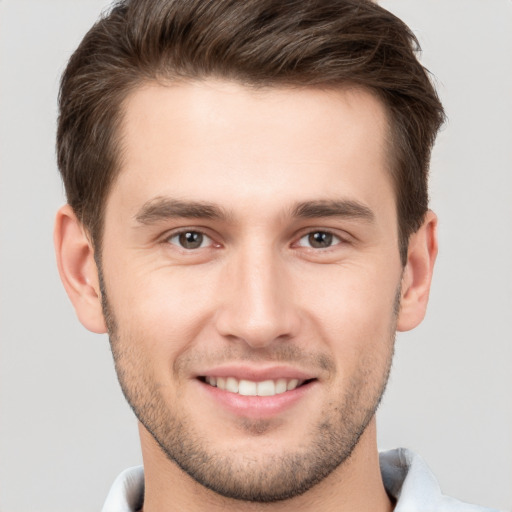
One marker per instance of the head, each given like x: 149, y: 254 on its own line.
x: 247, y: 185
x: 254, y: 43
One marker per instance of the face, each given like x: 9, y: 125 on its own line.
x: 250, y: 278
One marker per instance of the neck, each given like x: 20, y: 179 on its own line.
x: 355, y: 486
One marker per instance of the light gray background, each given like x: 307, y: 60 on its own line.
x: 65, y: 431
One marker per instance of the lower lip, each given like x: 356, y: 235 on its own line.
x: 257, y: 406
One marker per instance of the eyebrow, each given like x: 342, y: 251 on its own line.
x: 344, y: 208
x: 162, y: 208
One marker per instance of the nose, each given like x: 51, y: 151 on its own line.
x: 257, y: 306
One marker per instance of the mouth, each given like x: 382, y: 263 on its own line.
x: 244, y: 387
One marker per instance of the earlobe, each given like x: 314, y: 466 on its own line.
x: 77, y: 269
x: 417, y: 274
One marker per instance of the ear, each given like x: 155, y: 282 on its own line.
x: 77, y: 269
x: 417, y: 275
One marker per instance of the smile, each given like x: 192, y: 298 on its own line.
x: 252, y: 388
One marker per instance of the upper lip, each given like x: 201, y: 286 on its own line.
x: 257, y: 374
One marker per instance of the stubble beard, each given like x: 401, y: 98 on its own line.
x: 241, y: 476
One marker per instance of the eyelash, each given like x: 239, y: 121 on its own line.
x: 185, y: 232
x: 333, y: 238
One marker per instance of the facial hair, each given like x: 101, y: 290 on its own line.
x: 240, y: 476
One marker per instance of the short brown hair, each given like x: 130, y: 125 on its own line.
x: 304, y: 43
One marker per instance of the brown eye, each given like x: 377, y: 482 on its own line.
x: 189, y: 240
x: 319, y: 240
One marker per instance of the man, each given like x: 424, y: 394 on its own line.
x: 248, y: 220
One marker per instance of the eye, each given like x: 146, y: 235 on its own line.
x: 319, y: 240
x: 190, y: 240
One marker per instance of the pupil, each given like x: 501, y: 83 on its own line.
x: 320, y: 239
x: 191, y: 240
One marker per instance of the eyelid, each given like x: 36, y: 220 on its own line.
x: 336, y: 240
x: 342, y: 238
x: 179, y: 231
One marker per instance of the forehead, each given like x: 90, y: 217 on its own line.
x: 228, y: 142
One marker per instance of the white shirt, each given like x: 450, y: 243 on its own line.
x: 405, y: 475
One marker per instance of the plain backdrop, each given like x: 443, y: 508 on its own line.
x: 65, y: 430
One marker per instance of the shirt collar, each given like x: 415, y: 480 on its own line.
x: 406, y: 478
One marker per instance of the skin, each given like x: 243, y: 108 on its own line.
x: 257, y: 295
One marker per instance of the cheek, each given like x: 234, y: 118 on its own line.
x: 162, y: 309
x: 354, y: 310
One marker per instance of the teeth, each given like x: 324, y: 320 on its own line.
x: 247, y: 388
x: 266, y: 388
x: 281, y: 386
x: 251, y: 388
x: 292, y: 384
x: 232, y: 385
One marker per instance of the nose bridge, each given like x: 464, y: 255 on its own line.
x: 258, y: 308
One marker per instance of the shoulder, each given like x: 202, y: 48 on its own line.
x: 409, y: 480
x: 127, y: 491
